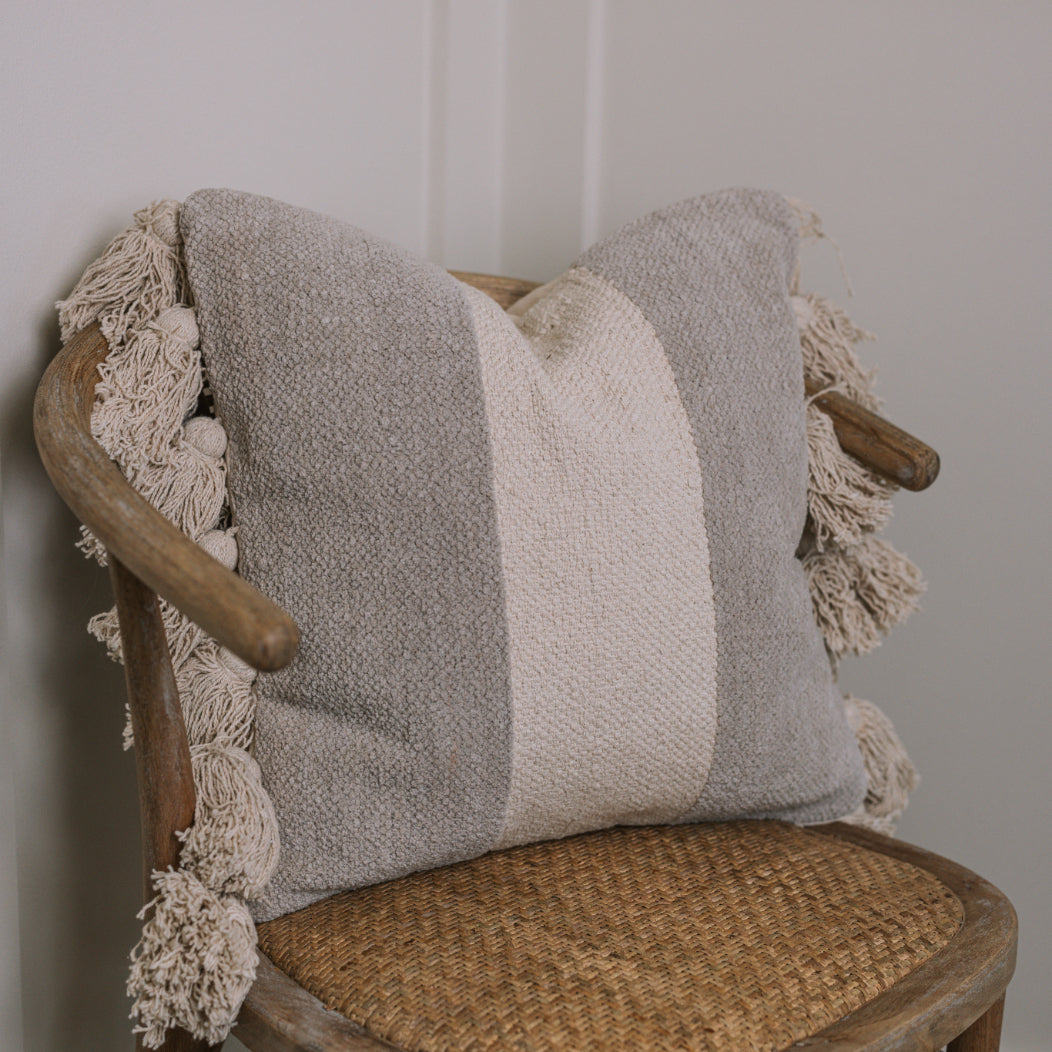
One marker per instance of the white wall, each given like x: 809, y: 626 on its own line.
x: 504, y: 136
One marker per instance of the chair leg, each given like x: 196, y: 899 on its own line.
x: 984, y: 1035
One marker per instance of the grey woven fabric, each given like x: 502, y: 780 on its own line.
x: 711, y: 275
x: 347, y: 376
x: 543, y: 565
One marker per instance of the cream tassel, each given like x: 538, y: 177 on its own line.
x: 215, y: 688
x: 189, y: 488
x: 887, y: 583
x: 183, y: 635
x: 845, y: 500
x: 139, y: 274
x: 845, y: 623
x: 827, y: 340
x: 146, y: 390
x: 195, y: 963
x: 232, y: 846
x: 197, y: 958
x: 148, y: 384
x: 860, y: 593
x: 890, y: 774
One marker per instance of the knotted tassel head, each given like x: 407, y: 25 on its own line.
x: 195, y: 963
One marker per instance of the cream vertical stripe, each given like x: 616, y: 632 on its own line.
x: 608, y: 596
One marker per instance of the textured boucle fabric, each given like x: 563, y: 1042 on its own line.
x: 711, y: 274
x: 606, y: 564
x: 543, y: 563
x: 347, y: 375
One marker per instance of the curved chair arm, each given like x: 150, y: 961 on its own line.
x: 892, y: 453
x: 239, y: 616
x: 889, y: 451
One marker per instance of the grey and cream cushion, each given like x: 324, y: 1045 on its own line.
x: 543, y: 561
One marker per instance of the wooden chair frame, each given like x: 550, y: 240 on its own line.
x: 956, y: 996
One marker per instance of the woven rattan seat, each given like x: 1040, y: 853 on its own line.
x: 747, y: 935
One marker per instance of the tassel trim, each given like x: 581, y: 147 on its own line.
x: 890, y: 773
x: 139, y: 274
x: 860, y: 593
x: 828, y: 339
x: 860, y: 586
x: 196, y: 959
x: 195, y: 963
x: 844, y: 499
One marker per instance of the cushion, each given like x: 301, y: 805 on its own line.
x: 543, y: 561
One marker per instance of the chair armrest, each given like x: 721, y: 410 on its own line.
x: 239, y: 616
x: 892, y: 453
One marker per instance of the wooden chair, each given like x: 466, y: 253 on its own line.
x: 742, y: 935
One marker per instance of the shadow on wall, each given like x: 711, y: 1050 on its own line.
x: 77, y: 813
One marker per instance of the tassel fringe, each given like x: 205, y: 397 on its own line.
x: 860, y: 593
x: 890, y: 773
x: 216, y: 692
x: 860, y: 586
x: 232, y: 847
x: 183, y: 635
x: 844, y: 499
x: 197, y: 957
x: 139, y: 274
x: 195, y: 963
x: 828, y: 339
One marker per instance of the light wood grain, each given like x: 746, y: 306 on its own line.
x: 154, y: 550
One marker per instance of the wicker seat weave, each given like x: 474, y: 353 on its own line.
x: 743, y: 935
